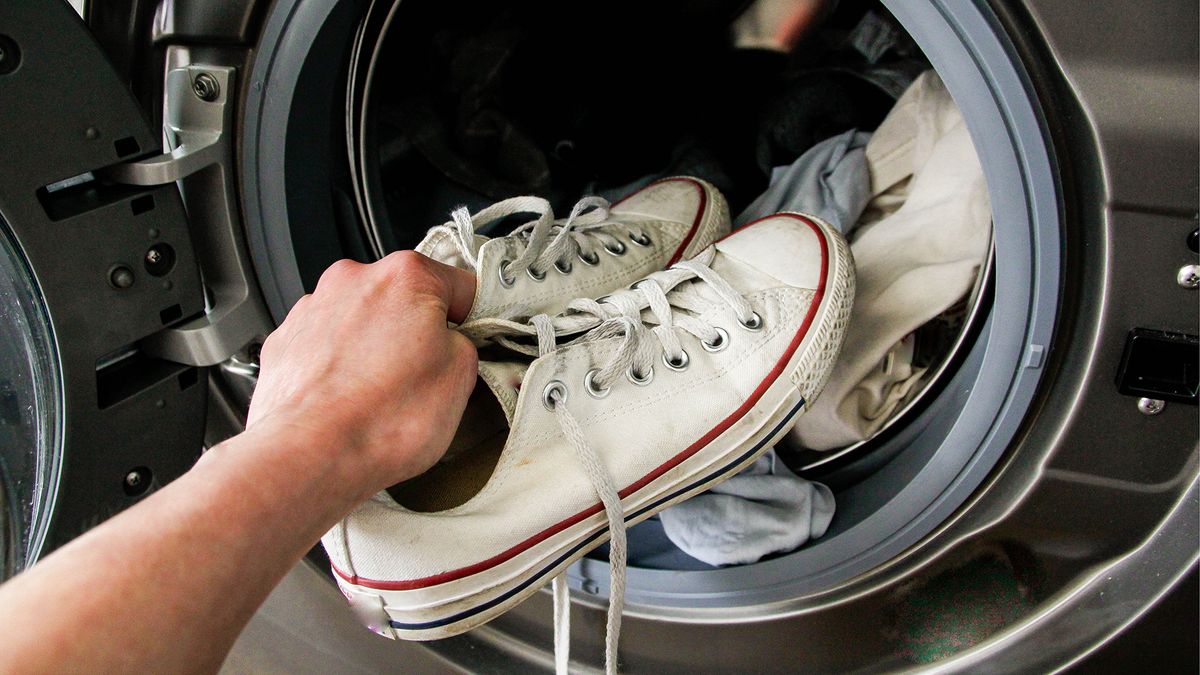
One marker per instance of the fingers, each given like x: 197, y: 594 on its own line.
x: 460, y: 287
x: 412, y: 274
x: 453, y: 288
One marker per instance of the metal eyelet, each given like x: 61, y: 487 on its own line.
x: 505, y: 281
x: 641, y: 239
x: 717, y: 345
x: 679, y: 365
x: 554, y: 387
x: 536, y: 276
x: 618, y: 249
x: 754, y: 323
x: 561, y: 268
x: 589, y: 383
x: 640, y: 380
x: 589, y: 260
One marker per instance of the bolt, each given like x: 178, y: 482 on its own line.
x: 1150, y: 406
x: 121, y: 277
x: 1189, y: 276
x: 205, y: 87
x: 137, y: 481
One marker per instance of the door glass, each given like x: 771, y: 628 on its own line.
x: 30, y: 436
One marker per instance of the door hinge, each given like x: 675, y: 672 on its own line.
x: 198, y: 119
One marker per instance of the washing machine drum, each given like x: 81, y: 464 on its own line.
x: 1038, y: 498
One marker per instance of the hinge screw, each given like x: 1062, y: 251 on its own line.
x: 1150, y: 406
x: 205, y: 87
x: 1189, y: 276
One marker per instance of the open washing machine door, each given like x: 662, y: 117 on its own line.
x: 108, y: 319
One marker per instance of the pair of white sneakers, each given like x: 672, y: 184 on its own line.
x: 634, y: 355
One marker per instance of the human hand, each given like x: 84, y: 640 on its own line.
x: 367, y: 368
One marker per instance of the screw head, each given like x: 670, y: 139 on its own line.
x: 1150, y: 406
x: 137, y: 481
x: 120, y: 277
x: 205, y: 87
x: 1188, y: 276
x: 153, y: 256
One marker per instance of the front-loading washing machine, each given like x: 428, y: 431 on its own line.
x: 176, y: 175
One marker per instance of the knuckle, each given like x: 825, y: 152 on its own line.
x: 338, y: 270
x: 411, y: 269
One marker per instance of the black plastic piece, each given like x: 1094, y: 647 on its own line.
x: 66, y: 116
x: 1160, y: 365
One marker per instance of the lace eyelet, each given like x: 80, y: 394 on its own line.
x: 505, y: 281
x: 548, y: 394
x: 755, y: 322
x: 617, y: 250
x: 640, y: 380
x: 641, y: 239
x: 536, y: 276
x: 679, y: 365
x: 589, y: 383
x: 719, y: 344
x: 589, y: 260
x: 561, y: 268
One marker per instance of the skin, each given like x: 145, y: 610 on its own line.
x: 361, y: 387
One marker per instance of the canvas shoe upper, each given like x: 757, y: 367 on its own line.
x: 597, y: 249
x: 627, y: 405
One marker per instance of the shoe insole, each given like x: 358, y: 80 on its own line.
x: 468, y: 463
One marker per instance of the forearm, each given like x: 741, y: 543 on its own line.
x: 168, y: 585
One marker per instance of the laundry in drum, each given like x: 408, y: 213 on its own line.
x: 653, y: 389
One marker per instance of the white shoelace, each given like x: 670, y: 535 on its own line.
x: 620, y: 314
x: 548, y: 242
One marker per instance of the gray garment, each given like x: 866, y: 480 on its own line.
x: 764, y: 509
x: 830, y: 181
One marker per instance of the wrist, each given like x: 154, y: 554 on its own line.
x: 327, y: 467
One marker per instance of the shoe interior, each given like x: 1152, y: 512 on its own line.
x: 468, y: 463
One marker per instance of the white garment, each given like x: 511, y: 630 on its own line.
x: 764, y: 509
x: 918, y: 249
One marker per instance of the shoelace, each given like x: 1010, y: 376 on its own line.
x: 548, y: 242
x: 673, y: 302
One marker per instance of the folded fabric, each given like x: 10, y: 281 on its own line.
x: 830, y: 181
x: 764, y: 509
x: 918, y: 249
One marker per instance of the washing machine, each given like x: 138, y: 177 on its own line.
x: 177, y: 174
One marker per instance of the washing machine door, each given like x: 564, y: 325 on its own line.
x: 99, y: 279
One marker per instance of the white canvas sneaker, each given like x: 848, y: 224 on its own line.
x: 546, y: 263
x: 666, y: 389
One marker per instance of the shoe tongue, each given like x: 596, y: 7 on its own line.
x: 439, y: 245
x: 504, y: 379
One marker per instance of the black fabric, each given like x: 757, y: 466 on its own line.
x: 479, y: 102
